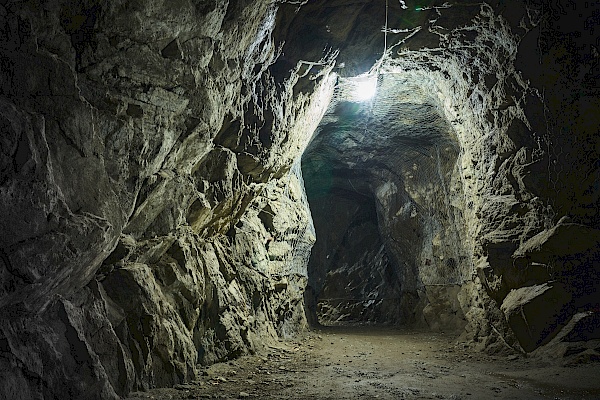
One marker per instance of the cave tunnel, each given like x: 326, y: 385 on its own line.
x: 195, y: 195
x: 378, y: 176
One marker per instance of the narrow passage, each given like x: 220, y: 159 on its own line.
x: 383, y: 363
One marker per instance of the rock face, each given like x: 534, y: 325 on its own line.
x: 578, y: 342
x: 150, y: 223
x: 393, y: 161
x: 532, y: 310
x: 464, y: 151
x: 153, y: 208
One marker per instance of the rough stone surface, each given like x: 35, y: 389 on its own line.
x: 150, y: 222
x: 475, y: 100
x: 141, y: 141
x: 578, y: 342
x: 532, y: 311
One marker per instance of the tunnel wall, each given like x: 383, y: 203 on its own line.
x: 516, y: 210
x: 145, y: 193
x: 518, y: 114
x: 386, y: 197
x: 147, y: 206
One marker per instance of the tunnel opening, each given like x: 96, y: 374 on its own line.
x: 385, y: 193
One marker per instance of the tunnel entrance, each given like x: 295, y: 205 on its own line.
x: 386, y: 197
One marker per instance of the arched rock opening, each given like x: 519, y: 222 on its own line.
x: 387, y: 202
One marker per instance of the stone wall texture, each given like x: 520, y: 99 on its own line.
x: 151, y: 216
x: 143, y: 143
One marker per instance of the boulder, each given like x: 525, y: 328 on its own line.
x: 577, y: 342
x: 536, y: 313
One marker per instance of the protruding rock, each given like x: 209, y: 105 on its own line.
x: 536, y: 313
x: 172, y: 50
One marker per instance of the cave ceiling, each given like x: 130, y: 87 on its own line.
x: 355, y: 28
x: 402, y: 123
x: 358, y: 141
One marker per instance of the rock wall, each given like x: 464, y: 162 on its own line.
x: 509, y: 152
x: 150, y: 222
x: 387, y: 203
x: 508, y: 206
x: 145, y: 192
x: 350, y: 272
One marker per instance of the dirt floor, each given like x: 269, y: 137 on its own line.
x: 384, y: 363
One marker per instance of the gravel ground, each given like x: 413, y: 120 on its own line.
x: 384, y: 363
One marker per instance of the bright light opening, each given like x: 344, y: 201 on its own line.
x: 365, y: 88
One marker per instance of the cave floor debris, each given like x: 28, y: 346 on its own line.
x: 384, y: 363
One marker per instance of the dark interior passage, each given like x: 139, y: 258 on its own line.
x: 354, y: 274
x: 386, y: 198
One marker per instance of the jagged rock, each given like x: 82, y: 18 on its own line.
x: 586, y: 327
x: 535, y: 313
x: 127, y: 266
x: 43, y: 354
x: 568, y: 253
x: 153, y: 216
x: 577, y: 342
x: 400, y: 196
x: 356, y: 294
